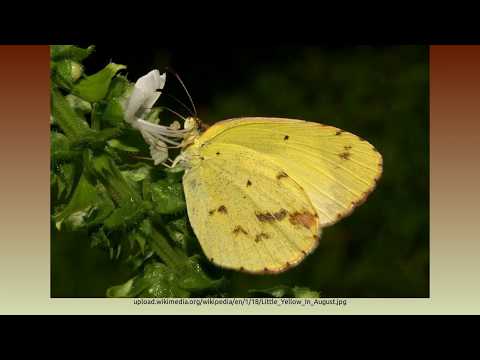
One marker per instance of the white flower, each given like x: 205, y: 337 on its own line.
x: 144, y: 95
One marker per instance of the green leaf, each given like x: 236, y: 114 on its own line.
x: 101, y: 210
x: 179, y: 232
x: 58, y: 52
x: 79, y: 105
x: 157, y: 280
x: 95, y: 87
x: 120, y: 145
x: 120, y: 88
x: 167, y: 198
x: 71, y: 123
x: 160, y: 281
x: 95, y: 139
x: 193, y: 279
x: 64, y: 182
x: 114, y: 114
x: 304, y: 292
x: 129, y: 289
x: 84, y: 199
x: 63, y: 179
x: 138, y: 237
x: 137, y: 174
x: 127, y: 215
x: 58, y: 142
x: 137, y: 177
x: 118, y: 94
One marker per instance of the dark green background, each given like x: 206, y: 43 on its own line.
x: 378, y: 93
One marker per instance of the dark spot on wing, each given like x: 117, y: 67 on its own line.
x: 249, y: 183
x: 281, y: 174
x: 211, y: 259
x: 211, y: 212
x: 287, y: 264
x: 265, y: 217
x: 202, y: 158
x: 261, y: 236
x: 280, y: 215
x: 269, y: 217
x: 338, y: 132
x: 222, y: 209
x: 345, y: 155
x: 218, y: 153
x: 286, y: 137
x: 305, y: 218
x: 238, y: 229
x: 242, y: 268
x: 347, y: 147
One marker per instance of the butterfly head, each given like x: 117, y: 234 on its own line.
x: 192, y: 123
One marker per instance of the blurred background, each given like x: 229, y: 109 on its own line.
x: 378, y: 93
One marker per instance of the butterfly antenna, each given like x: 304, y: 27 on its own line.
x: 174, y: 112
x: 184, y: 87
x: 181, y: 103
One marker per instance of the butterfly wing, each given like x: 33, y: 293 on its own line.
x: 336, y: 169
x: 246, y: 214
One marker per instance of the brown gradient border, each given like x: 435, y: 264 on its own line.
x: 25, y: 219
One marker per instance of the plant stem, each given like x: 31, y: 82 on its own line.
x: 110, y: 176
x: 95, y: 120
x: 164, y: 250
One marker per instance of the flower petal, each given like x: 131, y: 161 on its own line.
x: 151, y: 100
x: 134, y: 103
x: 152, y: 81
x: 144, y: 95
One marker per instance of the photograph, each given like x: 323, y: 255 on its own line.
x: 282, y: 171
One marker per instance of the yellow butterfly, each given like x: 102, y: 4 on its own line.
x: 259, y: 190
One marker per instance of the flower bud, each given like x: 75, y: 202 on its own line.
x: 69, y: 70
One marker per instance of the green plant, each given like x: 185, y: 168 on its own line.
x: 132, y: 210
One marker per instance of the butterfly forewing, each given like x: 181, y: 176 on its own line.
x: 336, y: 169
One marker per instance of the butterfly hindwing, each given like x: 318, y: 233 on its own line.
x: 247, y: 213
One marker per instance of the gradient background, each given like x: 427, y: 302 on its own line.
x: 25, y: 232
